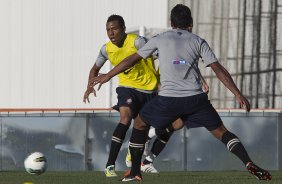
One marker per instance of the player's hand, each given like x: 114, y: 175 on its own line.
x: 243, y: 102
x: 90, y: 89
x: 205, y: 88
x: 101, y: 79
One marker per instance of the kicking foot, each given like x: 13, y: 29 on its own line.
x: 258, y: 172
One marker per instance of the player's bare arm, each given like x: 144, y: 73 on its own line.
x: 224, y: 76
x: 90, y: 87
x: 122, y: 66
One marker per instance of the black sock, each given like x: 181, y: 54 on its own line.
x: 117, y: 140
x: 136, y: 147
x: 168, y: 130
x: 235, y: 146
x: 158, y: 146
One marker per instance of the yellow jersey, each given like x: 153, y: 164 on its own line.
x: 142, y: 75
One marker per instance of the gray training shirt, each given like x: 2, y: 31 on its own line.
x: 179, y: 52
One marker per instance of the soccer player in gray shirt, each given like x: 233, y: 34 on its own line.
x: 180, y: 95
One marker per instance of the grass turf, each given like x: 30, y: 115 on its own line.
x: 215, y: 177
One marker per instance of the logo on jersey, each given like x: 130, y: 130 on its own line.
x: 179, y: 62
x: 129, y: 100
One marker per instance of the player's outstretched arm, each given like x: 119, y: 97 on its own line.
x: 90, y: 87
x: 122, y: 66
x: 224, y: 76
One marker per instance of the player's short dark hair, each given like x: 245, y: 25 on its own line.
x: 116, y: 18
x: 181, y: 17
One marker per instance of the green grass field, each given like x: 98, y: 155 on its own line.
x: 216, y: 177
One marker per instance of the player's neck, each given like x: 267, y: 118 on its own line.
x: 120, y: 44
x: 189, y: 29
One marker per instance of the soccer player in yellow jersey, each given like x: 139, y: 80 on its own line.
x: 137, y: 85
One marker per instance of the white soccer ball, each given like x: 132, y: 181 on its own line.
x: 35, y: 163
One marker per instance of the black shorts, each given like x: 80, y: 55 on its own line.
x: 195, y: 111
x: 129, y: 97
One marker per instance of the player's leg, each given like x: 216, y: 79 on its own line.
x: 151, y: 134
x: 159, y: 144
x: 162, y: 139
x: 140, y: 99
x: 208, y: 117
x: 136, y: 147
x: 117, y: 140
x: 150, y: 155
x: 154, y: 114
x: 232, y: 142
x: 235, y: 146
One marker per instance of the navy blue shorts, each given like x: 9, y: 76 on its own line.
x: 129, y: 97
x: 195, y: 111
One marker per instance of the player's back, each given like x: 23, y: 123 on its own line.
x: 179, y: 52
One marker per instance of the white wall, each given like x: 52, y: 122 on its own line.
x: 48, y: 47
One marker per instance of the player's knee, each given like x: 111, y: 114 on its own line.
x: 140, y: 124
x: 219, y: 132
x: 125, y: 115
x: 125, y: 119
x: 178, y: 124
